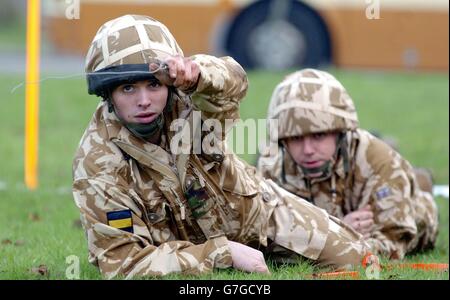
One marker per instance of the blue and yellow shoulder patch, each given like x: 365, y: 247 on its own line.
x: 121, y: 220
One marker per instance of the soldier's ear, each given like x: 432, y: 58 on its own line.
x: 283, y: 143
x: 171, y: 98
x: 110, y: 106
x: 107, y: 96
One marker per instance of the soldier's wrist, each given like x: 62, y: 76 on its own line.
x: 224, y: 259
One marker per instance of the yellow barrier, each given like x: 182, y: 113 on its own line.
x: 32, y: 94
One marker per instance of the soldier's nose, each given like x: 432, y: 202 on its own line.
x: 144, y: 98
x: 307, y: 146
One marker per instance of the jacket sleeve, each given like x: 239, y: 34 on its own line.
x: 133, y: 252
x: 390, y: 192
x: 222, y: 85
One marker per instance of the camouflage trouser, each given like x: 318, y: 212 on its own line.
x: 305, y: 229
x: 426, y: 217
x: 426, y: 213
x: 344, y: 247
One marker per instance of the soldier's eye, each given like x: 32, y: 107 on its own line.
x: 154, y: 84
x: 127, y: 88
x: 296, y: 138
x: 319, y: 135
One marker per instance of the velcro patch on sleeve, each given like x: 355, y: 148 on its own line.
x: 383, y: 192
x: 121, y: 220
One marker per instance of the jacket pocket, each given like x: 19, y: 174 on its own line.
x: 157, y: 218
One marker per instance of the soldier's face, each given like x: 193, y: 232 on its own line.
x: 140, y: 102
x: 312, y: 151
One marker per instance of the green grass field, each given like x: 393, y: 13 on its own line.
x: 40, y: 227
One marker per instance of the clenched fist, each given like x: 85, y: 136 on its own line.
x: 247, y: 259
x: 180, y: 72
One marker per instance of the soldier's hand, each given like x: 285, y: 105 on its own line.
x: 361, y: 220
x: 181, y: 72
x: 247, y: 259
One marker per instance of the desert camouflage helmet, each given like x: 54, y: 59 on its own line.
x: 126, y: 44
x: 311, y: 101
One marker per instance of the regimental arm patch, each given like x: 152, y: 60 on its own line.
x: 121, y: 220
x: 383, y: 192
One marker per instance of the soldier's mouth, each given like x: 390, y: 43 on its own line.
x: 312, y: 164
x: 146, y: 117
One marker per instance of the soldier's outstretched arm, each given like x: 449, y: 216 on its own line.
x: 216, y: 85
x: 120, y: 243
x: 221, y: 86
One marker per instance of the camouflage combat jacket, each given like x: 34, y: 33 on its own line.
x: 405, y: 217
x: 147, y: 211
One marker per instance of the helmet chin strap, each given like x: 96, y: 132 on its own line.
x: 148, y: 130
x: 324, y: 170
